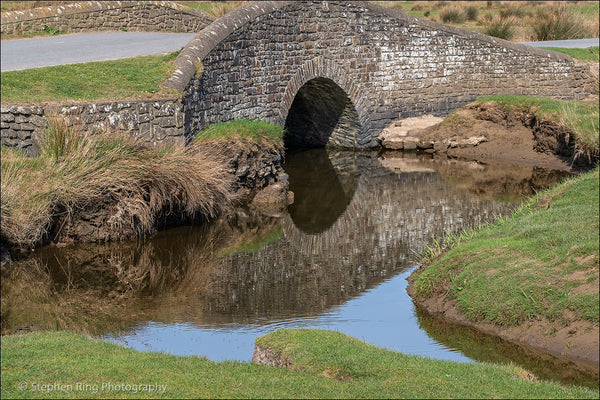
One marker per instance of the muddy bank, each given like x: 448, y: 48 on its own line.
x: 577, y: 341
x: 485, y: 131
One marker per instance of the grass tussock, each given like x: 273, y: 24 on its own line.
x: 499, y: 26
x: 558, y: 23
x: 75, y: 171
x: 542, y: 262
x: 453, y: 15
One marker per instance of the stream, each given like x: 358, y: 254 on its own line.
x: 337, y: 259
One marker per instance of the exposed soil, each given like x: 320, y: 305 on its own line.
x: 487, y: 132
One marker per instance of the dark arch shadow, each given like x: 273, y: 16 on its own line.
x: 322, y: 190
x: 321, y: 115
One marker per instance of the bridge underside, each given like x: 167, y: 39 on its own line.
x: 321, y: 115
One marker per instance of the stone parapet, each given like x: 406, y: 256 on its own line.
x: 152, y: 120
x: 147, y: 16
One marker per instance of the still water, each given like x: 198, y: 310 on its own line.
x: 336, y: 259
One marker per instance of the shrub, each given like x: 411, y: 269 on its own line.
x: 452, y: 15
x: 471, y: 13
x: 558, y: 23
x: 512, y: 11
x: 497, y: 26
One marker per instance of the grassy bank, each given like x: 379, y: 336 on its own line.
x: 511, y: 20
x: 242, y: 130
x: 578, y: 117
x: 133, y: 182
x: 215, y: 8
x: 587, y: 54
x: 324, y: 365
x: 540, y: 263
x: 138, y: 77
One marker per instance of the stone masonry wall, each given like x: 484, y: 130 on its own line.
x: 152, y: 120
x: 255, y: 59
x: 157, y: 16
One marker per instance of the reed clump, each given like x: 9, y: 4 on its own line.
x: 558, y: 23
x: 76, y: 171
x: 499, y: 26
x: 452, y: 14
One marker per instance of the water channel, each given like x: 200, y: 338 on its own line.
x: 337, y: 259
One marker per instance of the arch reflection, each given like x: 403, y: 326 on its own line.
x: 323, y: 183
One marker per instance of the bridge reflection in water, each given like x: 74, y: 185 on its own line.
x: 337, y: 260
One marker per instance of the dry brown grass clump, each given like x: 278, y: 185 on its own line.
x: 76, y: 171
x: 558, y: 23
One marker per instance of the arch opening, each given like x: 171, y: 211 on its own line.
x: 321, y: 115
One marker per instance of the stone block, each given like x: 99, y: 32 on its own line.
x: 411, y: 143
x: 7, y: 117
x: 166, y: 122
x: 23, y: 135
x: 27, y: 127
x: 37, y: 121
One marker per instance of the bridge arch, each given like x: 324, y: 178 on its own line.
x: 322, y: 106
x: 252, y: 62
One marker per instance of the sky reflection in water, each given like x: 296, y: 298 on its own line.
x: 383, y: 316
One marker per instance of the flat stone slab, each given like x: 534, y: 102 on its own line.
x: 404, y: 134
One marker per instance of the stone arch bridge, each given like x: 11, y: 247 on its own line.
x: 337, y: 72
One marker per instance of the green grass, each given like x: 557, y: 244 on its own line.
x: 538, y: 263
x: 324, y: 365
x: 580, y: 117
x: 136, y: 77
x: 242, y: 130
x: 587, y: 54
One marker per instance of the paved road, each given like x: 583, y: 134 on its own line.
x: 85, y: 47
x: 100, y: 46
x: 572, y: 44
